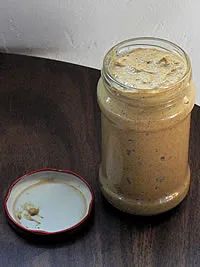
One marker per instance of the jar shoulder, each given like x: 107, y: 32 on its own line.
x: 131, y: 116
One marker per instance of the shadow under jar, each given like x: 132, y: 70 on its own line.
x: 146, y: 95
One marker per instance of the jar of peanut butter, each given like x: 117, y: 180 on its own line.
x: 146, y: 95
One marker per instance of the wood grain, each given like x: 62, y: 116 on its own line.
x: 49, y: 117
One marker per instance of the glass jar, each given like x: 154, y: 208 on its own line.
x: 145, y: 137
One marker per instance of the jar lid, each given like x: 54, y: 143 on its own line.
x: 48, y: 202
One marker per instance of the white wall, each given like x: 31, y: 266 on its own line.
x: 81, y: 31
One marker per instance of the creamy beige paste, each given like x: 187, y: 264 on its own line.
x: 144, y: 166
x: 148, y: 68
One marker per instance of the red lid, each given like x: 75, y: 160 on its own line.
x: 48, y: 202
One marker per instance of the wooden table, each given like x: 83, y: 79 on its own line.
x: 49, y: 117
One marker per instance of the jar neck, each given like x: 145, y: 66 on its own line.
x: 149, y: 98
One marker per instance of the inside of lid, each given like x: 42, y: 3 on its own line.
x: 49, y: 201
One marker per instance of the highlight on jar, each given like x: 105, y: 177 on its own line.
x: 146, y: 96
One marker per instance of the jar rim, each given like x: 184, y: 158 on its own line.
x: 144, y: 41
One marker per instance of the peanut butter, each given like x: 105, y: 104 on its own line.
x: 148, y: 68
x: 146, y: 107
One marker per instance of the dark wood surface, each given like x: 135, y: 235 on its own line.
x: 49, y: 117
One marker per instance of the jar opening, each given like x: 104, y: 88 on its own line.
x: 140, y: 64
